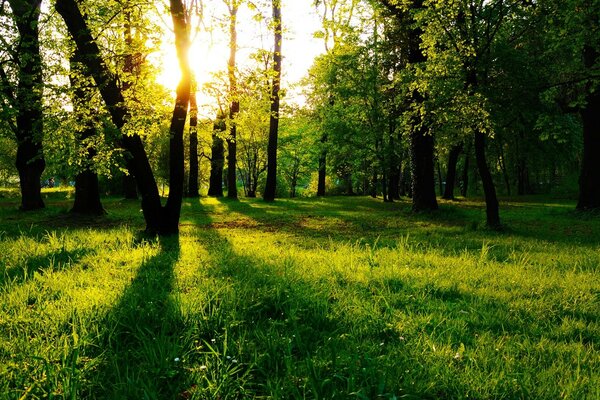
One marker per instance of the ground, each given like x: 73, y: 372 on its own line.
x: 329, y: 298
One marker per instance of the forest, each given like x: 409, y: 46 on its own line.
x: 322, y: 199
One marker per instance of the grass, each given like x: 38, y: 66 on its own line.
x: 331, y: 298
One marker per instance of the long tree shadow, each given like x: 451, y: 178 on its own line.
x: 140, y: 342
x: 56, y: 260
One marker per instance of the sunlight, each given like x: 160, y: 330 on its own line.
x: 209, y: 52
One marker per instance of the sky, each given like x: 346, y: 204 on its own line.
x: 210, y: 51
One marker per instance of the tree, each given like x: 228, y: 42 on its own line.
x: 159, y: 219
x: 26, y: 101
x: 234, y: 108
x: 193, y: 190
x: 421, y: 145
x: 270, y: 187
x: 217, y: 156
x: 87, y: 191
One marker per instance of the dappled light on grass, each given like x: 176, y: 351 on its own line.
x: 304, y: 299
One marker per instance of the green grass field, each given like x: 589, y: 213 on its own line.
x: 332, y: 298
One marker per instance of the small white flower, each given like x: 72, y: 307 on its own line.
x: 234, y: 361
x: 213, y: 340
x: 176, y: 359
x: 203, y: 367
x: 229, y: 357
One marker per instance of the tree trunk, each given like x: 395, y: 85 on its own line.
x: 451, y: 172
x: 30, y: 161
x: 87, y: 191
x: 589, y: 180
x: 271, y: 184
x: 217, y: 158
x: 522, y: 177
x: 159, y: 220
x: 491, y: 201
x: 234, y: 107
x: 421, y: 138
x: 193, y: 190
x: 465, y: 175
x: 322, y: 167
x: 422, y: 171
x: 129, y: 189
x: 440, y: 178
x: 129, y: 184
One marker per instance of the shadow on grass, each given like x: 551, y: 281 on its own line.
x: 141, y: 338
x: 56, y: 260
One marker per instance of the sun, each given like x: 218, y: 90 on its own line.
x: 209, y: 51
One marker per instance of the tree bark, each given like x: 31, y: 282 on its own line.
x: 87, y: 190
x: 421, y: 138
x: 129, y: 64
x: 491, y: 201
x: 589, y: 179
x: 465, y: 175
x: 217, y: 158
x: 193, y: 190
x: 159, y: 220
x: 234, y: 107
x: 271, y: 184
x: 451, y: 172
x: 422, y: 171
x: 322, y: 167
x: 30, y: 161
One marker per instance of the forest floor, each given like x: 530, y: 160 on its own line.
x: 331, y: 298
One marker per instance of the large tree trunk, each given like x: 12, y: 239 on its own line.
x: 234, y: 107
x: 421, y: 137
x: 271, y: 184
x: 217, y: 158
x: 28, y: 100
x: 87, y: 191
x: 589, y: 180
x: 160, y: 220
x: 451, y: 172
x: 193, y: 190
x: 422, y: 171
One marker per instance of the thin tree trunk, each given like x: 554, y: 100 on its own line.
x: 465, y: 175
x: 322, y: 167
x: 451, y: 172
x: 235, y: 105
x: 30, y: 161
x: 589, y: 179
x: 491, y: 201
x: 271, y: 184
x: 440, y: 178
x: 128, y: 182
x: 193, y: 190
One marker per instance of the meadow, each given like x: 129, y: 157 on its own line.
x: 334, y: 298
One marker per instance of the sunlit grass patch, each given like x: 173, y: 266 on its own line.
x: 335, y: 298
